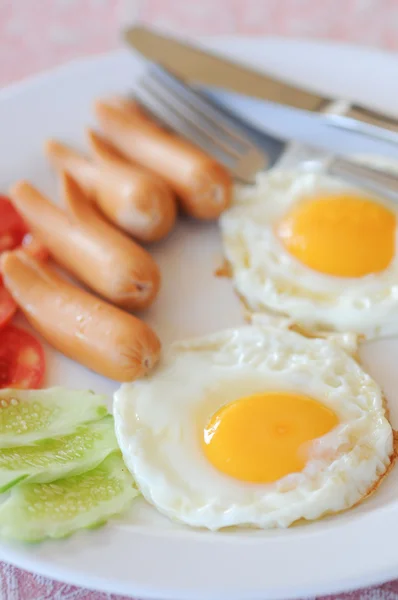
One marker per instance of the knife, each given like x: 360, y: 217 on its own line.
x: 196, y: 65
x: 311, y: 129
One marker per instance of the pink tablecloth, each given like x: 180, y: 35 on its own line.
x: 38, y: 35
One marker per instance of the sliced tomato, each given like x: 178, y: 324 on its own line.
x: 12, y: 227
x: 7, y: 305
x: 22, y: 360
x: 34, y: 248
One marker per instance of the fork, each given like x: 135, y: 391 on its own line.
x: 240, y: 147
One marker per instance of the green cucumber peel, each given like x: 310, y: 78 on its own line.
x: 36, y: 511
x: 60, y: 457
x: 28, y: 416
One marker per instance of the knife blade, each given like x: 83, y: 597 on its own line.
x: 309, y: 128
x: 194, y: 64
x: 264, y: 114
x: 207, y: 68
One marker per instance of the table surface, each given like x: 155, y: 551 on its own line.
x: 34, y: 39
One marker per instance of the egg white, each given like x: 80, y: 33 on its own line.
x: 160, y: 420
x: 269, y: 278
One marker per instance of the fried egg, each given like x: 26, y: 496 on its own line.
x: 310, y: 247
x: 256, y: 426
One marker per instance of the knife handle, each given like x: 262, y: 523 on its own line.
x: 355, y: 111
x: 378, y: 181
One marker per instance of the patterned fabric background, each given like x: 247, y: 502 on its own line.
x: 39, y: 34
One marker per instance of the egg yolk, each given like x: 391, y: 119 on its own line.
x: 341, y: 235
x: 264, y: 437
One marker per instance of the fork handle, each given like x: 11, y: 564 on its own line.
x: 377, y: 181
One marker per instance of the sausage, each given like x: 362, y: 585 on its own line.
x: 149, y: 207
x: 203, y: 186
x: 135, y: 200
x: 34, y: 248
x: 89, y: 247
x: 96, y: 334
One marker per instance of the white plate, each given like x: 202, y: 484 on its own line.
x: 143, y: 553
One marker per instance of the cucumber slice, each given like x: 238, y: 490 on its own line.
x: 56, y: 458
x: 36, y: 511
x: 27, y: 416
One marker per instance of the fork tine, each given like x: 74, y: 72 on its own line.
x: 243, y: 169
x: 160, y: 109
x: 202, y: 124
x: 215, y: 117
x: 177, y: 107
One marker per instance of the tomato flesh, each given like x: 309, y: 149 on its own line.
x: 22, y: 360
x: 12, y: 227
x: 7, y: 305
